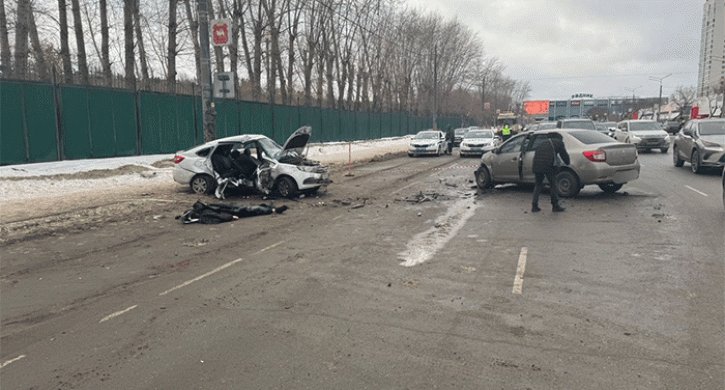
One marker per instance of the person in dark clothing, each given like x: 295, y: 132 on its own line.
x: 545, y: 166
x: 450, y: 136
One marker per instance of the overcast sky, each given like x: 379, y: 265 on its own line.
x: 602, y: 47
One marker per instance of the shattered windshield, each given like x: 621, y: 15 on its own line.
x: 271, y: 148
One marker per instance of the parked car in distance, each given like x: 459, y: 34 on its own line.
x: 575, y: 123
x: 595, y: 159
x: 458, y: 135
x: 428, y: 142
x: 701, y: 142
x: 476, y: 142
x: 645, y: 134
x: 723, y: 188
x: 283, y: 169
x: 672, y: 127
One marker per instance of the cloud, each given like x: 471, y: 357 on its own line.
x: 603, y: 47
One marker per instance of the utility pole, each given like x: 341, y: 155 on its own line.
x: 659, y: 102
x: 435, y: 87
x: 207, y: 98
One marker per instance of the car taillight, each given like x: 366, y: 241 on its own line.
x: 595, y: 155
x: 178, y: 159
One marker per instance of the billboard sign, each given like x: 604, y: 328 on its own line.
x: 537, y: 107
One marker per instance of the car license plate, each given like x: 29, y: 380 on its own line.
x: 625, y: 176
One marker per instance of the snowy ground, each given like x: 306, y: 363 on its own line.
x: 68, y: 177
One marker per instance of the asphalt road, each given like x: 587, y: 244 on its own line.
x: 402, y: 276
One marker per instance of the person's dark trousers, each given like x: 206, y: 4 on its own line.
x: 552, y: 188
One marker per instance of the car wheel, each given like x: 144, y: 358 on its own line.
x: 286, y: 187
x: 695, y: 162
x: 664, y: 150
x: 676, y: 159
x: 568, y: 184
x: 202, y: 184
x: 610, y: 187
x: 483, y: 178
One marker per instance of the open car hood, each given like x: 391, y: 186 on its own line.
x: 297, y: 141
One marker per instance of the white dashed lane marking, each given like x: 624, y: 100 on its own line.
x: 699, y: 192
x: 519, y: 279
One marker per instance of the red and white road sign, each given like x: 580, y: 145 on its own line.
x: 221, y: 31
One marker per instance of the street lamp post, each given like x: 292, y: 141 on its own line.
x: 659, y: 102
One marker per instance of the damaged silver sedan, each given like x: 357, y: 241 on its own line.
x: 251, y: 162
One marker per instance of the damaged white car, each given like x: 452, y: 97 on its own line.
x: 253, y: 162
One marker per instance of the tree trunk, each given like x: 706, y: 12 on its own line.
x: 21, y: 39
x: 245, y: 44
x: 5, y: 55
x: 80, y: 42
x: 105, y: 56
x: 141, y: 49
x: 64, y: 50
x: 41, y: 65
x: 171, y: 51
x: 194, y: 27
x: 128, y: 43
x: 234, y: 49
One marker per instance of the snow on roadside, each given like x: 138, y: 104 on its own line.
x: 36, y: 180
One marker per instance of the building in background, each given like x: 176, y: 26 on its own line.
x: 712, y: 49
x: 585, y: 105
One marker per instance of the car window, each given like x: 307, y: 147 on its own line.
x: 712, y: 128
x: 590, y: 137
x: 536, y: 141
x: 513, y: 145
x: 643, y: 126
x: 578, y: 125
x: 427, y: 135
x: 203, y: 152
x: 479, y: 134
x: 622, y: 126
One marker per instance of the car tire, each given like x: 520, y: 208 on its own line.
x: 286, y: 187
x: 483, y: 178
x: 202, y: 184
x: 695, y: 162
x: 664, y: 150
x: 676, y: 159
x: 567, y: 184
x: 610, y: 187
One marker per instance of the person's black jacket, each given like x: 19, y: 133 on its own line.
x: 545, y: 155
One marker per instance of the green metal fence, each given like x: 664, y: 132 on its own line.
x: 45, y: 122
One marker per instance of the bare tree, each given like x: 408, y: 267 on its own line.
x: 105, y: 56
x: 194, y: 28
x: 40, y: 63
x: 5, y: 55
x: 80, y: 42
x: 21, y: 38
x: 130, y: 58
x: 143, y: 59
x: 171, y: 52
x: 685, y: 97
x: 64, y: 47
